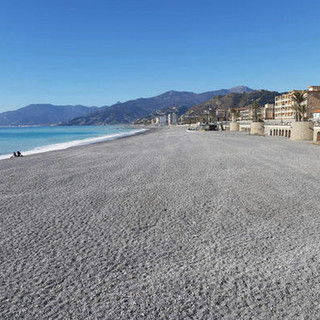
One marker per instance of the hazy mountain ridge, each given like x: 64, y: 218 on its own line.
x: 43, y: 114
x: 126, y: 112
x: 131, y: 110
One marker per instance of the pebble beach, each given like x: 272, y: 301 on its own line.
x: 168, y: 224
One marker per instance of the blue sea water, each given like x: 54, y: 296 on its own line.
x: 31, y: 140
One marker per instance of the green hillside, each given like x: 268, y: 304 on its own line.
x: 233, y: 100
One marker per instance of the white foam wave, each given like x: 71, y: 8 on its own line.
x: 76, y: 143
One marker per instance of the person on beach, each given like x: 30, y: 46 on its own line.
x: 16, y: 154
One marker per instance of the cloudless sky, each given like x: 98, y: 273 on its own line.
x: 98, y: 52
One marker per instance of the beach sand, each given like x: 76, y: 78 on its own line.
x: 165, y: 225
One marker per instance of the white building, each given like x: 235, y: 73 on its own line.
x: 316, y: 115
x: 163, y: 120
x: 172, y: 119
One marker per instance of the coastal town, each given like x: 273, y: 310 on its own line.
x: 287, y: 117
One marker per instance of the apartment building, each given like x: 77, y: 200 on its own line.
x: 172, y: 119
x: 163, y: 120
x: 284, y: 104
x: 160, y: 120
x: 283, y: 107
x: 313, y: 95
x: 245, y: 113
x: 222, y: 114
x: 267, y: 112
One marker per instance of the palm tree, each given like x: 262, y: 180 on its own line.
x: 300, y: 107
x: 235, y: 114
x: 256, y: 112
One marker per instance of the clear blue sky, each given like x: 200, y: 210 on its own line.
x: 96, y: 52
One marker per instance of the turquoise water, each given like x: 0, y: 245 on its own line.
x: 40, y: 139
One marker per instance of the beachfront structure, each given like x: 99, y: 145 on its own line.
x: 163, y: 120
x: 313, y: 98
x: 245, y: 113
x: 172, y: 119
x: 267, y: 111
x: 284, y: 104
x: 160, y: 120
x: 316, y: 115
x: 222, y: 114
x: 283, y: 107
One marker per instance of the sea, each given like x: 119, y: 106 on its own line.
x: 31, y: 140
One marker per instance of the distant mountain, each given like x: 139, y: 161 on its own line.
x: 233, y: 100
x: 134, y: 109
x: 43, y: 114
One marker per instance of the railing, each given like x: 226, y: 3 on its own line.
x: 277, y: 123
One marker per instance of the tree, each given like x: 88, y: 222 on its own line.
x: 256, y: 112
x: 300, y: 106
x: 235, y: 114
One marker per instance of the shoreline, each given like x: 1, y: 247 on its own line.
x: 78, y: 143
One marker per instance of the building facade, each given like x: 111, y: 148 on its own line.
x: 316, y: 115
x: 267, y: 112
x: 283, y: 107
x: 245, y: 113
x: 313, y: 98
x: 163, y: 120
x: 222, y: 114
x: 172, y: 119
x: 284, y: 103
